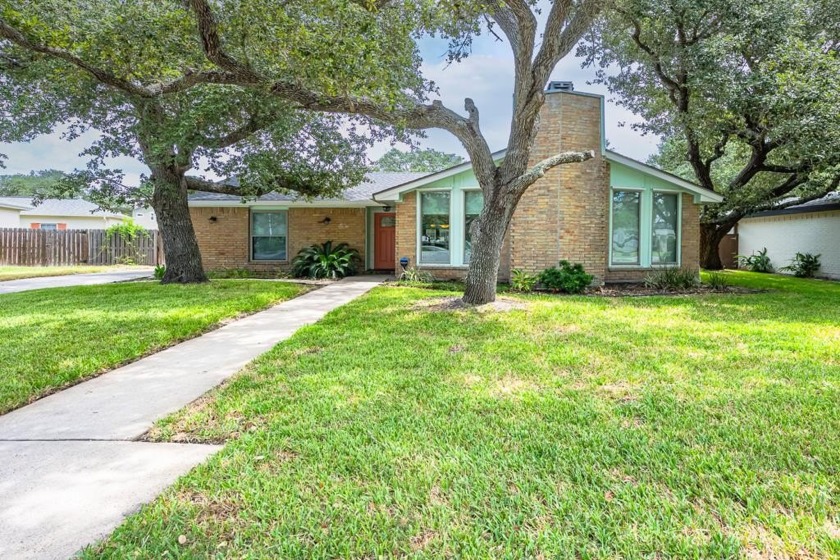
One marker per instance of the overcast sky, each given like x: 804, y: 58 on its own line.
x: 486, y: 76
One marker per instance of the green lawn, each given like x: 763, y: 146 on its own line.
x: 52, y: 338
x: 20, y: 272
x: 649, y: 427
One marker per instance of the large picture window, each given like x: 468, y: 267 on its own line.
x: 665, y: 229
x: 473, y: 202
x: 268, y: 235
x: 626, y: 221
x: 435, y: 228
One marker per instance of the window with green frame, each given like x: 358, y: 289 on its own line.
x: 645, y: 228
x: 268, y: 235
x: 435, y: 227
x: 626, y: 230
x: 665, y: 229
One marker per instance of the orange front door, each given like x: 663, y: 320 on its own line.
x: 384, y: 240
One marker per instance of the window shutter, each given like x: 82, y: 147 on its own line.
x: 61, y: 227
x: 35, y: 225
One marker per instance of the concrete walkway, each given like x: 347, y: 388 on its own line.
x: 70, y: 471
x: 13, y: 286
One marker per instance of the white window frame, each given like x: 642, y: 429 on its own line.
x: 264, y: 210
x: 645, y: 228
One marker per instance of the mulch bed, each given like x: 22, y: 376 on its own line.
x: 638, y: 290
x: 455, y: 303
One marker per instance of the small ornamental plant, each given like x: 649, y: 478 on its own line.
x: 326, y: 261
x: 567, y: 278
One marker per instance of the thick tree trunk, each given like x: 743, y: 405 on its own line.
x: 180, y: 246
x: 710, y: 237
x: 488, y: 235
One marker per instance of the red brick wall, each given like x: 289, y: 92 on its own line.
x: 224, y: 243
x: 406, y: 212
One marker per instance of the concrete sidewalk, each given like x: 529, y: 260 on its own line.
x: 71, y: 472
x: 27, y: 284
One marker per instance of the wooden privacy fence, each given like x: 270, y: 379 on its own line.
x: 39, y: 247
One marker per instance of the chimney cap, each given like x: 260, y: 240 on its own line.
x: 559, y: 86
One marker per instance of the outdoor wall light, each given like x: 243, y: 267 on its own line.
x: 404, y: 262
x: 213, y: 218
x: 386, y: 208
x: 326, y: 221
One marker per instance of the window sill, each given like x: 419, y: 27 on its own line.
x: 440, y: 266
x: 620, y: 267
x: 267, y: 262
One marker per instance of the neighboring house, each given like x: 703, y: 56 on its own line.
x: 813, y: 227
x: 145, y: 218
x: 10, y: 209
x: 618, y: 217
x: 55, y: 214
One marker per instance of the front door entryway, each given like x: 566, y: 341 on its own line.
x: 384, y: 240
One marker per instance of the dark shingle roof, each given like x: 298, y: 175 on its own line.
x: 362, y: 192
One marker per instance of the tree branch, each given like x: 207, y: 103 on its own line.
x: 540, y: 169
x: 203, y: 185
x: 558, y: 40
x: 11, y: 34
x: 833, y: 186
x: 237, y: 135
x: 416, y: 116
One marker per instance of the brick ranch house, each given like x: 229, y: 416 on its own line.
x: 618, y: 217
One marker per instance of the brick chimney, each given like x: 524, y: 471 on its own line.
x: 565, y: 214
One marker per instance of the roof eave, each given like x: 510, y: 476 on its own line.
x: 282, y: 203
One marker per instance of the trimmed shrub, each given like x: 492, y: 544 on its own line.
x: 803, y: 265
x: 325, y: 261
x: 567, y: 278
x: 672, y: 279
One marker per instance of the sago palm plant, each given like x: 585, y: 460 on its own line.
x: 325, y: 261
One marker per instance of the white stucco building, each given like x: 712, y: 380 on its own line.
x: 813, y: 227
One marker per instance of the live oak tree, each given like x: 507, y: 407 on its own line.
x: 30, y: 184
x: 745, y: 94
x: 134, y: 72
x: 426, y: 161
x: 236, y: 37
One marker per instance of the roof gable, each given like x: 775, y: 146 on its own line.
x: 394, y: 193
x: 701, y: 194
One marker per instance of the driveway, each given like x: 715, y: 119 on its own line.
x: 13, y: 286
